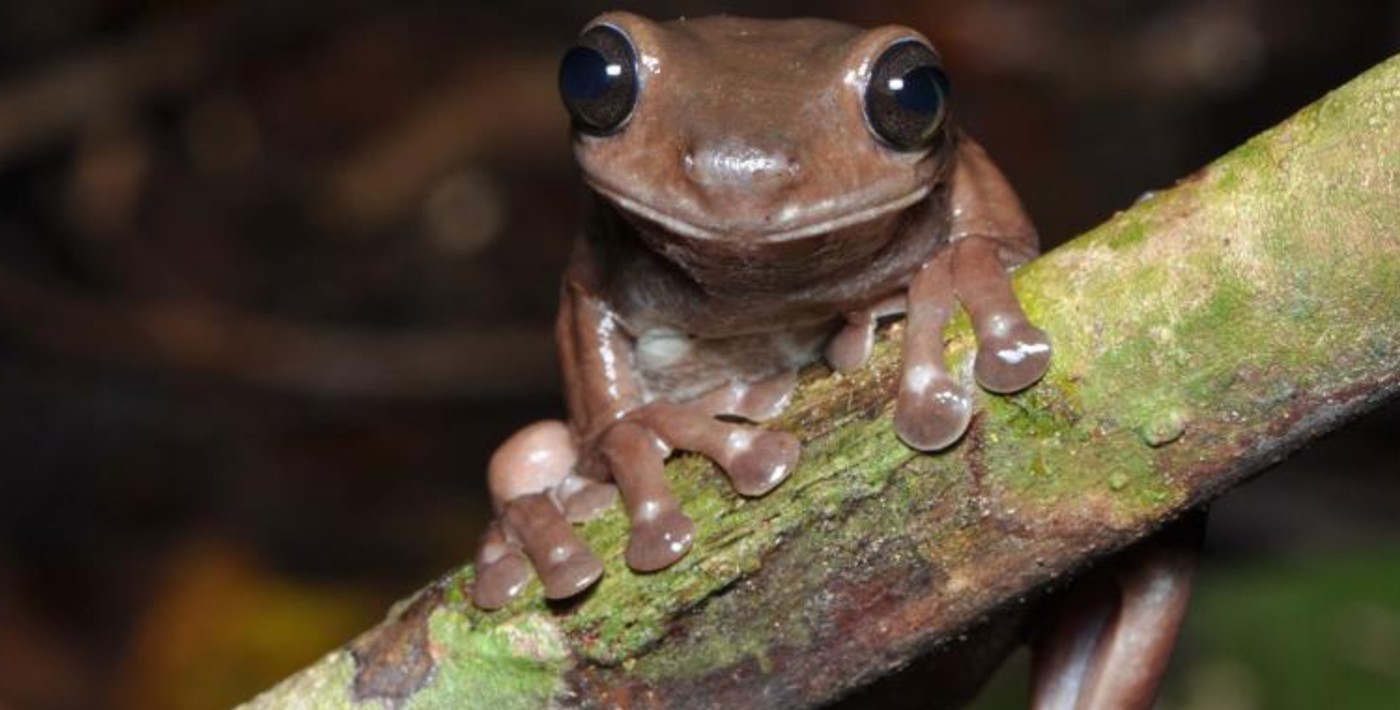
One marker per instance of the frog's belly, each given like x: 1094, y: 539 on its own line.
x: 676, y: 367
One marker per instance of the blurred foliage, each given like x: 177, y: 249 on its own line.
x: 219, y: 624
x: 1294, y: 633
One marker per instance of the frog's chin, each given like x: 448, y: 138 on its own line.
x: 760, y: 233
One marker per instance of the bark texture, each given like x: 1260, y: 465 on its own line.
x: 1199, y: 337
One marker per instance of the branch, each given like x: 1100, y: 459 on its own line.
x: 1200, y: 336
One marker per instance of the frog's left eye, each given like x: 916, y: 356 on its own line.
x: 905, y: 101
x: 598, y: 80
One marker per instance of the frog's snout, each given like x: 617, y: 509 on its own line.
x: 741, y: 165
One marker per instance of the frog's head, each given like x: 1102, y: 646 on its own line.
x: 725, y: 139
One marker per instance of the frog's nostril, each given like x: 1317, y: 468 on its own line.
x: 739, y: 165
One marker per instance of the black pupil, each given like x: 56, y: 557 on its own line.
x: 587, y: 74
x: 598, y: 80
x: 918, y: 90
x: 905, y: 100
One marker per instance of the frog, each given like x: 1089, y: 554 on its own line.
x: 762, y: 193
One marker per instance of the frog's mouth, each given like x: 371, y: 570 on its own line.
x: 740, y: 260
x: 686, y: 228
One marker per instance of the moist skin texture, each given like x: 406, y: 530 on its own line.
x: 747, y: 220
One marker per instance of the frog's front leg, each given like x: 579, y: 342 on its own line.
x: 932, y: 409
x: 989, y: 234
x: 1011, y: 352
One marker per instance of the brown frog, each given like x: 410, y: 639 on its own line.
x: 764, y: 192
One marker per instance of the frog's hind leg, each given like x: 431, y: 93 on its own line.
x: 932, y: 409
x: 755, y: 401
x: 755, y: 459
x: 525, y: 475
x: 1011, y: 353
x: 1109, y: 639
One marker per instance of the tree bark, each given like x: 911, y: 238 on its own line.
x: 1199, y: 337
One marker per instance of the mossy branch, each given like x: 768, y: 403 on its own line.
x: 1199, y: 337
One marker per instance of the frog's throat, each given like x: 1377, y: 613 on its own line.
x: 684, y: 228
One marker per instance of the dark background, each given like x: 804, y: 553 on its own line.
x: 276, y: 277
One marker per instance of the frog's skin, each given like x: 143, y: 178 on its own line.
x: 750, y: 215
x: 747, y: 221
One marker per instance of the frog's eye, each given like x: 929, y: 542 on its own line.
x: 905, y: 100
x: 598, y: 80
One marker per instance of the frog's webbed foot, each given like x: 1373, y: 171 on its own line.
x: 635, y: 449
x: 528, y: 475
x: 932, y: 409
x: 1011, y: 353
x: 1108, y: 640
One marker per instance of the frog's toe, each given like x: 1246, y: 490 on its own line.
x: 764, y: 460
x: 765, y: 399
x: 1012, y: 361
x: 848, y: 350
x: 584, y: 499
x: 501, y: 571
x: 755, y: 459
x: 501, y: 581
x: 563, y: 561
x: 932, y: 410
x: 571, y: 575
x: 657, y: 543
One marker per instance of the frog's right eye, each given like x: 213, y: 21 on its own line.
x: 905, y: 102
x: 598, y: 80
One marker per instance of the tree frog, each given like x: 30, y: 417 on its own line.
x: 762, y: 192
